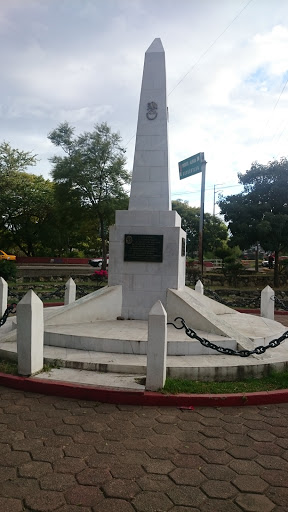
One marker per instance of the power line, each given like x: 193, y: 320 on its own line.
x: 210, y: 46
x: 207, y: 189
x: 130, y: 140
x: 202, y: 55
x: 260, y: 140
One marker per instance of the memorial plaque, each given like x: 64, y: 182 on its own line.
x: 143, y: 248
x: 183, y: 252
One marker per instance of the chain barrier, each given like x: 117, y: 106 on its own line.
x: 58, y: 292
x: 228, y: 351
x: 10, y: 309
x: 253, y: 302
x: 243, y: 303
x: 280, y: 303
x: 81, y: 291
x: 52, y: 294
x: 216, y: 296
x: 42, y: 295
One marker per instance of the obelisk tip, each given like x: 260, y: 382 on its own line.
x: 156, y: 46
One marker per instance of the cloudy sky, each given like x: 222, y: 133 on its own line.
x: 82, y: 61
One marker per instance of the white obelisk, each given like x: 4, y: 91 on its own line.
x: 150, y: 188
x: 147, y: 244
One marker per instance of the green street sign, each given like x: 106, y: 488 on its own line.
x: 191, y: 166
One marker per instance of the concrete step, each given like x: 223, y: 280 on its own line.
x: 87, y: 378
x: 206, y: 368
x: 128, y: 337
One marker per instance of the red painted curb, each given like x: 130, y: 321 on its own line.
x: 135, y: 397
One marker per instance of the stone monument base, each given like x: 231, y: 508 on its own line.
x: 146, y: 271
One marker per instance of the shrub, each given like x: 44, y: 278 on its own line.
x: 192, y: 274
x: 232, y: 270
x: 8, y: 270
x: 283, y: 266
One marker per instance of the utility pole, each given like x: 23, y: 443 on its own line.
x: 201, y: 221
x: 188, y: 167
x: 214, y: 196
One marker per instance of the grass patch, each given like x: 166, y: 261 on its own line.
x: 10, y: 367
x: 47, y: 367
x: 274, y: 381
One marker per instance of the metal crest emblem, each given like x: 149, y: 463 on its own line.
x: 151, y: 113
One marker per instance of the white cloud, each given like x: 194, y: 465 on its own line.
x: 81, y: 61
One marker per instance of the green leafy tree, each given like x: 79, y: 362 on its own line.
x: 24, y: 208
x: 260, y: 212
x: 8, y: 270
x: 12, y: 160
x: 214, y: 232
x: 18, y: 196
x: 93, y: 168
x: 66, y: 231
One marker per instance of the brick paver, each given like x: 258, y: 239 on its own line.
x: 65, y: 455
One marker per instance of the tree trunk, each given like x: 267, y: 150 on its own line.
x: 30, y: 249
x: 276, y: 269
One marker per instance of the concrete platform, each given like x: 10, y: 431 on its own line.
x: 127, y: 337
x: 88, y: 378
x: 119, y: 347
x: 205, y: 368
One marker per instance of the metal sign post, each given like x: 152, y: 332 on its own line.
x: 201, y: 221
x: 188, y: 167
x: 191, y: 166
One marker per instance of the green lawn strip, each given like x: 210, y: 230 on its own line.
x: 274, y: 381
x: 11, y: 367
x: 270, y: 383
x: 8, y: 367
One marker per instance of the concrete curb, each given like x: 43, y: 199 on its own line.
x: 240, y: 310
x: 135, y: 397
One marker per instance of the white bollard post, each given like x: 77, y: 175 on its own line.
x: 70, y: 291
x: 267, y: 303
x: 157, y: 347
x: 199, y: 287
x: 30, y: 334
x: 3, y: 296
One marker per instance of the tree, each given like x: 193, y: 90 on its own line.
x: 93, y: 168
x: 13, y: 182
x: 25, y: 206
x: 68, y: 230
x: 12, y: 160
x: 260, y: 212
x: 214, y: 232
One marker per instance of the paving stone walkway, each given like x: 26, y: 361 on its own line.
x: 68, y: 455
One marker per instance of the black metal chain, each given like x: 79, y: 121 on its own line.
x: 279, y: 302
x: 228, y: 351
x: 242, y: 303
x: 82, y: 291
x: 42, y: 295
x: 56, y: 292
x: 256, y: 301
x: 215, y: 296
x: 10, y: 309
